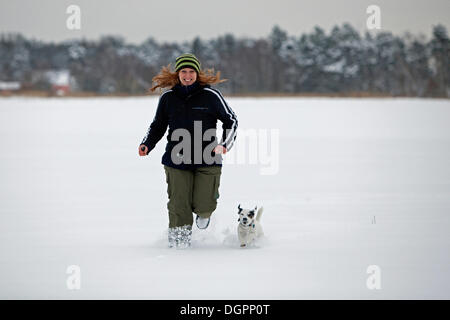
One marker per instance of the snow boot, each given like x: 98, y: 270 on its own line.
x: 202, y: 223
x: 180, y: 237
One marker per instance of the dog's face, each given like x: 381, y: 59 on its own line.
x: 246, y: 216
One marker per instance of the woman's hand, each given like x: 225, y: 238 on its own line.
x: 220, y: 149
x: 143, y: 150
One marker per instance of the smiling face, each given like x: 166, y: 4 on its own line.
x: 187, y: 76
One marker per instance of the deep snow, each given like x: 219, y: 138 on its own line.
x: 73, y: 191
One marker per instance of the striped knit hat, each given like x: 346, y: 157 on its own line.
x: 187, y: 60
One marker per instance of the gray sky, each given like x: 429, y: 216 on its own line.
x: 177, y: 20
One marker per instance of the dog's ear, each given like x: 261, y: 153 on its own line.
x: 239, y: 208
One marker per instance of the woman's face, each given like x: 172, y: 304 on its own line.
x: 187, y: 76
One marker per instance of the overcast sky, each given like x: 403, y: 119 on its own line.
x: 176, y: 20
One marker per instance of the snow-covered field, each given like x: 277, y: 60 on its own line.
x: 356, y: 183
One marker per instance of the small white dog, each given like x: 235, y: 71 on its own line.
x: 249, y: 227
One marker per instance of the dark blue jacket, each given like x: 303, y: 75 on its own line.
x: 179, y: 108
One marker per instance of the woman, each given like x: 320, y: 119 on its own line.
x: 192, y: 160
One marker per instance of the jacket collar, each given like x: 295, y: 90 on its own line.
x: 186, y: 92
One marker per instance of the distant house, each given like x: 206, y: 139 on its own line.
x: 59, y: 81
x: 9, y: 86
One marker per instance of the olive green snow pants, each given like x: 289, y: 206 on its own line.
x: 191, y: 191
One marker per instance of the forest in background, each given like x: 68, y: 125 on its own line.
x: 340, y: 62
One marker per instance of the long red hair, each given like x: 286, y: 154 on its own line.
x: 166, y: 78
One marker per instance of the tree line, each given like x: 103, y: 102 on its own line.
x: 339, y: 62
